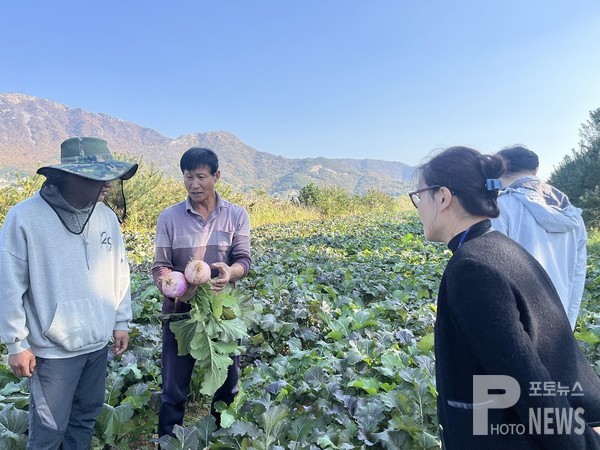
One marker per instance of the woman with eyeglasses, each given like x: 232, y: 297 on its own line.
x: 509, y: 372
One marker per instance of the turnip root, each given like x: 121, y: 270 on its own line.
x: 197, y: 272
x: 173, y: 284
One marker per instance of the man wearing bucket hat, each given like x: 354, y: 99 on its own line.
x: 66, y: 292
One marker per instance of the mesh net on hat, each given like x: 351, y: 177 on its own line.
x: 73, y: 219
x: 115, y: 200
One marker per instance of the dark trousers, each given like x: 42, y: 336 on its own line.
x: 66, y: 396
x: 176, y: 375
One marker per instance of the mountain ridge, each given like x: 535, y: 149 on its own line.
x: 32, y: 129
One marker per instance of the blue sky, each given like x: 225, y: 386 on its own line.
x: 384, y: 79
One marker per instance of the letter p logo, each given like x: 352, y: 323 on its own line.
x: 492, y: 392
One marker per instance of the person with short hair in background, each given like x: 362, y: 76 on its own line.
x: 540, y: 218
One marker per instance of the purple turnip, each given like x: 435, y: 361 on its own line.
x: 173, y: 284
x: 197, y: 272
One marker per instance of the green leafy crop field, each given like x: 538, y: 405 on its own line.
x: 340, y: 355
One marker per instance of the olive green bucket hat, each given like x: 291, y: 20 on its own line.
x: 90, y: 157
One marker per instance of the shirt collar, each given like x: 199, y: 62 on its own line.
x: 220, y: 204
x: 474, y: 231
x: 523, y: 181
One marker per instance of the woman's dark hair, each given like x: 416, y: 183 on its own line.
x: 519, y: 159
x: 196, y: 157
x: 464, y: 171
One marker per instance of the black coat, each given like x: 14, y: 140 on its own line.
x: 499, y: 314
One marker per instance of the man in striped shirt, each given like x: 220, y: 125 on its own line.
x: 202, y: 226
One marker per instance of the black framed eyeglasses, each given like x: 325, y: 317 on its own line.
x: 415, y: 196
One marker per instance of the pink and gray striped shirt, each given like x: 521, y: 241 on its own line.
x: 182, y: 233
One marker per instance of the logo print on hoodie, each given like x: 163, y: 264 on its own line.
x: 105, y: 239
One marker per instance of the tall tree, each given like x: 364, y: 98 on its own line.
x: 578, y: 174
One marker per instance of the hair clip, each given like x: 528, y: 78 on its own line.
x: 493, y: 184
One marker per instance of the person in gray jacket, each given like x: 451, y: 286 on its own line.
x: 540, y: 218
x: 66, y: 292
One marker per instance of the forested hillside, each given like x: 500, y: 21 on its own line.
x: 32, y: 129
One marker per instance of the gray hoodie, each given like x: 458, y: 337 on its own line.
x: 63, y: 294
x: 540, y: 218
